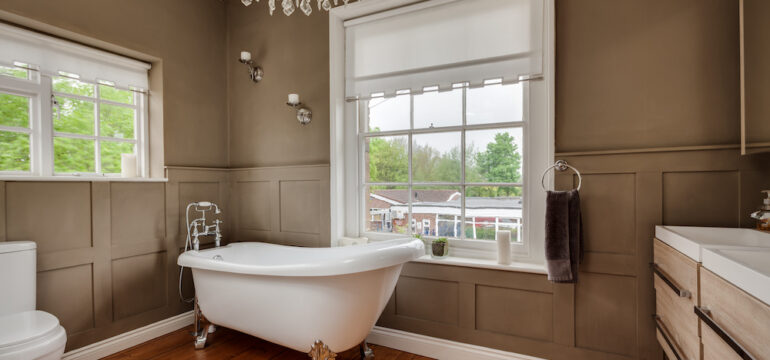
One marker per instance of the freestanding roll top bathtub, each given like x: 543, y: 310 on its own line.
x: 295, y: 296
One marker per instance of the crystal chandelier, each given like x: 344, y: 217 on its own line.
x: 289, y: 6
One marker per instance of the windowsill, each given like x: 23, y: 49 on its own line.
x: 484, y: 264
x: 79, y: 178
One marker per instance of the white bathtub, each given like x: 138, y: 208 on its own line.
x: 294, y: 296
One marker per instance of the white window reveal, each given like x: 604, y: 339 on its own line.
x: 67, y: 109
x: 447, y: 122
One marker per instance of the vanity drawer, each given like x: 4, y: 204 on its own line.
x: 677, y: 322
x: 678, y: 272
x: 737, y: 314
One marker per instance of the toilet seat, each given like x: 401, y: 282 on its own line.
x: 31, y: 335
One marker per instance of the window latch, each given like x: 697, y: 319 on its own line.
x: 55, y: 104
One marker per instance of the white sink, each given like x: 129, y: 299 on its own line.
x: 747, y: 268
x: 740, y: 256
x: 690, y: 240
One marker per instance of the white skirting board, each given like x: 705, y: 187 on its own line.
x: 401, y: 340
x: 438, y: 348
x: 126, y: 340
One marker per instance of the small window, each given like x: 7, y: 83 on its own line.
x: 74, y: 122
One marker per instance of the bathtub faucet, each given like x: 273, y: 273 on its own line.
x: 208, y: 230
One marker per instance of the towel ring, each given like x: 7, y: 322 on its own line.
x: 561, y: 165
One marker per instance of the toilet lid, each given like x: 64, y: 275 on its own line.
x: 25, y: 326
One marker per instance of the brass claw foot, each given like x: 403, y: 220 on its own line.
x: 319, y: 351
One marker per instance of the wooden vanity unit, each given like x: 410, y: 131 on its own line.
x: 700, y: 315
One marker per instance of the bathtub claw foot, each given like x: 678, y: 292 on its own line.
x: 366, y: 352
x: 319, y: 351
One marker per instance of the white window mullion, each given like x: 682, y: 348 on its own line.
x: 43, y: 129
x: 97, y: 130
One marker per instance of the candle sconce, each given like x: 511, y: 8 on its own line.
x: 255, y: 71
x: 304, y: 115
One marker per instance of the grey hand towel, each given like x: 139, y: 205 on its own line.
x: 563, y: 235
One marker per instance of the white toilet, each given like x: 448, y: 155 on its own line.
x: 25, y: 333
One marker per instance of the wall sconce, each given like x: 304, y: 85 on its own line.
x: 304, y: 115
x: 255, y: 72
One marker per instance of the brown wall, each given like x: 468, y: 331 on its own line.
x: 294, y: 52
x: 107, y: 250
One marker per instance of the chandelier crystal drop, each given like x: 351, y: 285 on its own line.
x: 290, y: 6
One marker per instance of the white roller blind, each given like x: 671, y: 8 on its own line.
x: 442, y: 42
x: 51, y: 55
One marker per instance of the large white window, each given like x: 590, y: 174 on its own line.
x: 66, y: 109
x: 442, y: 121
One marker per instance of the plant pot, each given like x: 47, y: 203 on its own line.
x: 439, y: 249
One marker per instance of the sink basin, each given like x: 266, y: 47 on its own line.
x: 747, y: 268
x: 690, y: 240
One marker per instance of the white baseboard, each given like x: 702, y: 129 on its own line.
x: 438, y: 348
x: 126, y: 340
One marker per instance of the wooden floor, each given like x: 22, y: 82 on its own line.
x: 230, y: 344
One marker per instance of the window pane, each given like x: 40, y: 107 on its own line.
x: 489, y: 209
x: 72, y: 86
x: 387, y: 159
x: 436, y: 109
x: 14, y: 110
x: 436, y: 157
x: 111, y: 155
x: 15, y: 72
x: 73, y: 155
x: 387, y: 114
x: 74, y: 116
x: 14, y: 151
x: 493, y: 155
x: 387, y: 209
x: 116, y: 121
x: 495, y: 103
x: 110, y: 93
x: 436, y: 211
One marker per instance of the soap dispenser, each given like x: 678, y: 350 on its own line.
x: 763, y: 215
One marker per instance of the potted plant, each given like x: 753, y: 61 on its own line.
x: 439, y: 248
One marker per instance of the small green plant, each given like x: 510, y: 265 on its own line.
x: 439, y: 247
x: 418, y: 236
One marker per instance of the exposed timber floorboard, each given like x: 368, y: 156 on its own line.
x: 230, y: 344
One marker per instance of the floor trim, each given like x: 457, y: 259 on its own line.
x: 438, y: 348
x: 126, y: 340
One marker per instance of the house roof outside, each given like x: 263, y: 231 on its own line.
x: 401, y: 196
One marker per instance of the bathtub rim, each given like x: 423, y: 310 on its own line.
x: 348, y: 260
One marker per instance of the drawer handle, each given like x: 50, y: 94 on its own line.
x: 666, y: 279
x: 703, y: 314
x: 666, y: 336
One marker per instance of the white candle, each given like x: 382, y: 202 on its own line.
x: 504, y: 247
x: 294, y: 99
x: 128, y: 165
x: 245, y: 55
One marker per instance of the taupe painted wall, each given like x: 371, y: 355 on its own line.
x: 294, y: 53
x: 107, y: 251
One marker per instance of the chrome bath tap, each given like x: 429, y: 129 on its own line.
x: 193, y: 233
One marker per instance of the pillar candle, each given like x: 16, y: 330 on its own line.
x: 504, y: 247
x: 128, y: 165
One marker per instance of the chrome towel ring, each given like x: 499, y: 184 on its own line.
x: 561, y: 165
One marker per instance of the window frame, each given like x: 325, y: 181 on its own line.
x: 538, y: 149
x: 39, y: 87
x: 362, y: 115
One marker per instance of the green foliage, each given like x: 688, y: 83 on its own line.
x: 388, y: 160
x: 14, y: 72
x: 499, y: 162
x: 440, y: 240
x: 73, y: 116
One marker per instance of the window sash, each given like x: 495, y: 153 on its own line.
x: 467, y: 247
x: 39, y: 89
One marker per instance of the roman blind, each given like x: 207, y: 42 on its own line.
x: 51, y: 56
x: 442, y: 43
